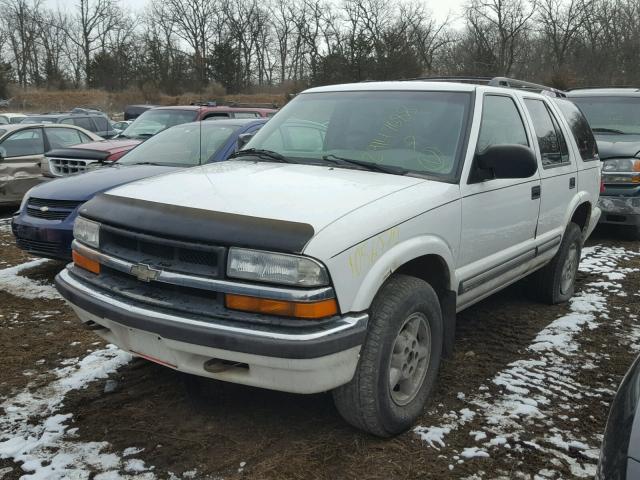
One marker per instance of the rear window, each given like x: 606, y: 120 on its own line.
x: 154, y: 121
x: 84, y: 122
x: 581, y: 130
x: 102, y: 124
x: 35, y: 119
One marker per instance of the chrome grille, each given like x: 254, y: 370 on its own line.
x: 62, y: 167
x: 51, y: 209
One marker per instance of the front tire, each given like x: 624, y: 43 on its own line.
x: 556, y: 282
x: 399, y: 360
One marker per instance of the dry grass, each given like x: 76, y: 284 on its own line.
x: 41, y: 100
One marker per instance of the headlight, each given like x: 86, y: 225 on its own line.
x: 87, y: 232
x: 621, y: 170
x: 621, y: 165
x: 276, y: 268
x: 23, y: 204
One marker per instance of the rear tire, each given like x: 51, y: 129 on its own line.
x: 556, y: 281
x: 399, y: 360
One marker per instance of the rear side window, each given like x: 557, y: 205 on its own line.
x: 581, y: 130
x: 102, y: 124
x: 24, y: 142
x: 84, y: 122
x: 501, y: 123
x: 553, y: 146
x: 63, y: 137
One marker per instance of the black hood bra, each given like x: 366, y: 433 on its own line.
x: 197, y: 224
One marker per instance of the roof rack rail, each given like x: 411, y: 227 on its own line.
x: 235, y: 104
x: 454, y: 78
x: 631, y: 87
x: 497, y: 82
x: 521, y: 84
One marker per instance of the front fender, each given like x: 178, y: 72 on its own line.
x: 359, y: 272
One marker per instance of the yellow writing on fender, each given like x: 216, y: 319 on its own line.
x: 367, y: 253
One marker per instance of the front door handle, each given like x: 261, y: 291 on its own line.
x: 535, y: 192
x: 572, y: 183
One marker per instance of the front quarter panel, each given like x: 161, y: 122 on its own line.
x: 368, y: 245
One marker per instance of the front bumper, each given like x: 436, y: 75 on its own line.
x: 620, y: 210
x: 44, y: 238
x: 291, y: 359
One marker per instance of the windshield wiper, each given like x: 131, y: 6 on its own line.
x: 608, y: 130
x: 262, y: 154
x: 364, y: 164
x: 146, y: 163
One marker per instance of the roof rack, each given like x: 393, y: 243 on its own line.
x: 498, y: 82
x: 235, y: 104
x: 599, y: 87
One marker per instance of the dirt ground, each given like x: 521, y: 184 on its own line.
x: 183, y: 428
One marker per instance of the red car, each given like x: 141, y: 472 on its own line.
x: 68, y: 161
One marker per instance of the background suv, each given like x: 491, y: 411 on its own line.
x: 614, y: 116
x: 91, y: 120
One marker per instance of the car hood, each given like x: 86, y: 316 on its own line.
x: 96, y: 181
x: 302, y: 193
x: 114, y: 145
x: 618, y: 146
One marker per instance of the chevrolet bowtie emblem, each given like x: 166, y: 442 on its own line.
x: 144, y: 272
x: 44, y: 209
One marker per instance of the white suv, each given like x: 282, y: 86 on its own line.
x: 334, y: 252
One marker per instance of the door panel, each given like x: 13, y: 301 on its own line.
x: 559, y: 169
x: 499, y: 216
x: 20, y: 170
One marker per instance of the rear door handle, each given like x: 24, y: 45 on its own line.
x: 535, y: 192
x: 572, y: 183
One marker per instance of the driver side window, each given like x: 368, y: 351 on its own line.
x: 501, y: 123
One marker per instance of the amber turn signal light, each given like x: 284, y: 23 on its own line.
x: 306, y: 310
x: 86, y: 263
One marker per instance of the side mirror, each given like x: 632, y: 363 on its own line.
x: 243, y: 139
x: 3, y: 153
x: 505, y: 161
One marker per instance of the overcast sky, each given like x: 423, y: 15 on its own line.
x: 440, y: 8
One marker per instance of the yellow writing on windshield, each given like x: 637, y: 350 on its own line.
x: 391, y: 127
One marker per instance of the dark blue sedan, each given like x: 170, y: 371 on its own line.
x: 44, y: 224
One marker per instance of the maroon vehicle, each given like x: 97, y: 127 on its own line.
x: 62, y: 162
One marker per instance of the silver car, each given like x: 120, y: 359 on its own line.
x: 22, y: 150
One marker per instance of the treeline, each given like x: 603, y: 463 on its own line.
x: 188, y: 45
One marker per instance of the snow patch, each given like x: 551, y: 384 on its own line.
x: 34, y: 433
x: 12, y: 282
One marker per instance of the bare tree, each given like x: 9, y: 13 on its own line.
x: 499, y: 27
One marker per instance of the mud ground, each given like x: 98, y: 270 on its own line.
x: 230, y: 431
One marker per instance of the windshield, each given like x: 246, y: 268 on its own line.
x: 419, y: 132
x: 154, y: 121
x: 611, y: 114
x: 183, y: 145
